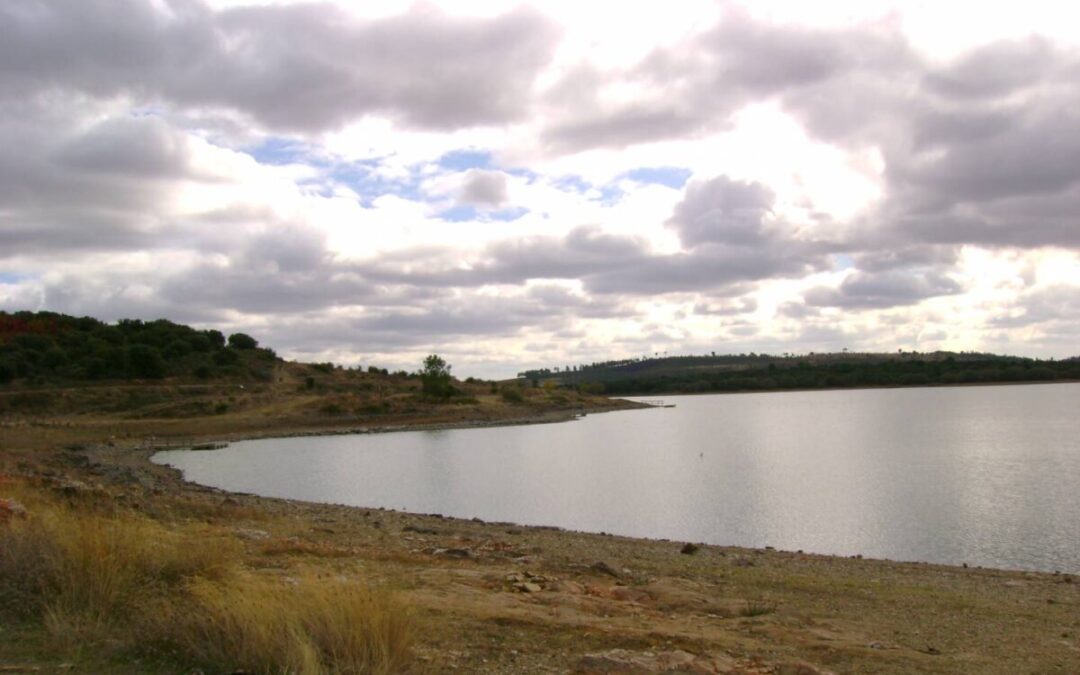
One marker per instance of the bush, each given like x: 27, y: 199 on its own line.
x: 512, y: 395
x: 177, y: 349
x: 146, y: 362
x: 435, y: 377
x: 242, y: 341
x: 225, y: 357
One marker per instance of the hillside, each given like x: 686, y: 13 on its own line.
x: 765, y: 372
x: 181, y: 380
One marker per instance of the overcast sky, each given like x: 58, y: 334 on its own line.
x: 549, y: 183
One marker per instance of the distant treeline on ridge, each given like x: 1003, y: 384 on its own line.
x: 764, y: 372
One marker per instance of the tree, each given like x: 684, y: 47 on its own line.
x: 146, y: 362
x: 435, y: 377
x: 242, y: 341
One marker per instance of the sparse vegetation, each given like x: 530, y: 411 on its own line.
x: 757, y: 607
x: 512, y: 394
x: 118, y: 581
x: 308, y: 626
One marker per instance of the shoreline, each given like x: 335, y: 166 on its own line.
x: 500, y: 597
x: 855, y: 388
x: 145, y: 455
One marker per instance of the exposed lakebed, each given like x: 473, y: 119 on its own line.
x: 980, y: 475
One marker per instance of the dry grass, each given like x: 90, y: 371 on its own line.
x: 88, y: 569
x: 310, y: 626
x: 127, y: 581
x: 757, y: 607
x: 300, y: 547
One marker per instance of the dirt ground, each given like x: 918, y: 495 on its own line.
x: 503, y: 598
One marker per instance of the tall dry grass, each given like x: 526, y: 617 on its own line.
x: 309, y: 627
x: 123, y: 579
x: 82, y: 572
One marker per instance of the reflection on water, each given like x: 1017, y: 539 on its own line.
x: 982, y: 475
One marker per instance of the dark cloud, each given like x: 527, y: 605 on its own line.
x: 958, y: 138
x: 483, y: 188
x: 906, y: 257
x: 723, y: 211
x: 607, y: 264
x: 995, y: 70
x: 307, y: 67
x: 697, y: 86
x: 893, y: 288
x: 145, y: 147
x: 1048, y: 305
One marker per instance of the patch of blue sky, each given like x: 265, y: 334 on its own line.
x: 508, y: 215
x: 279, y: 151
x: 608, y: 194
x: 670, y: 176
x: 529, y: 175
x: 364, y: 178
x: 459, y: 214
x: 12, y: 278
x: 464, y: 213
x: 842, y: 261
x: 572, y: 184
x: 463, y: 160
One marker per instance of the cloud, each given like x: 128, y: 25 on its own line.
x: 341, y: 184
x: 893, y: 288
x: 482, y: 188
x: 723, y: 211
x: 304, y: 67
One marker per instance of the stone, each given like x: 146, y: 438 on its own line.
x: 528, y: 587
x: 800, y: 668
x: 11, y: 509
x: 605, y: 568
x: 251, y: 534
x: 673, y: 661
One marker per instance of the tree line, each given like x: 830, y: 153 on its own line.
x: 807, y: 374
x: 48, y: 347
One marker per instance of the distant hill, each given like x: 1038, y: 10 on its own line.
x: 765, y: 372
x: 44, y: 347
x: 189, y: 381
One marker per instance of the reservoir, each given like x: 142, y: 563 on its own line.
x: 986, y: 476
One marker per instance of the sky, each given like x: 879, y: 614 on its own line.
x: 513, y: 185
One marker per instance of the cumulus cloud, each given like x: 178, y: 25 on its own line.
x: 723, y: 211
x: 888, y: 289
x: 142, y: 173
x: 305, y: 67
x: 484, y: 188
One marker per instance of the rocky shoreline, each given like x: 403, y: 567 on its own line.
x: 505, y: 598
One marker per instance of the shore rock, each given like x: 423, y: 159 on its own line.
x: 627, y: 662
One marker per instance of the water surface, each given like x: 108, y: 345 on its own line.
x: 983, y: 475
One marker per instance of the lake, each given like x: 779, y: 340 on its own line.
x: 980, y: 475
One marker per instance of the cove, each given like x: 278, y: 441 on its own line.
x: 986, y: 476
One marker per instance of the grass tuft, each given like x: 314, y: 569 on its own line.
x: 758, y: 607
x: 135, y: 584
x: 315, y: 625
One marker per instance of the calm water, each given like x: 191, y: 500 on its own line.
x: 983, y: 475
